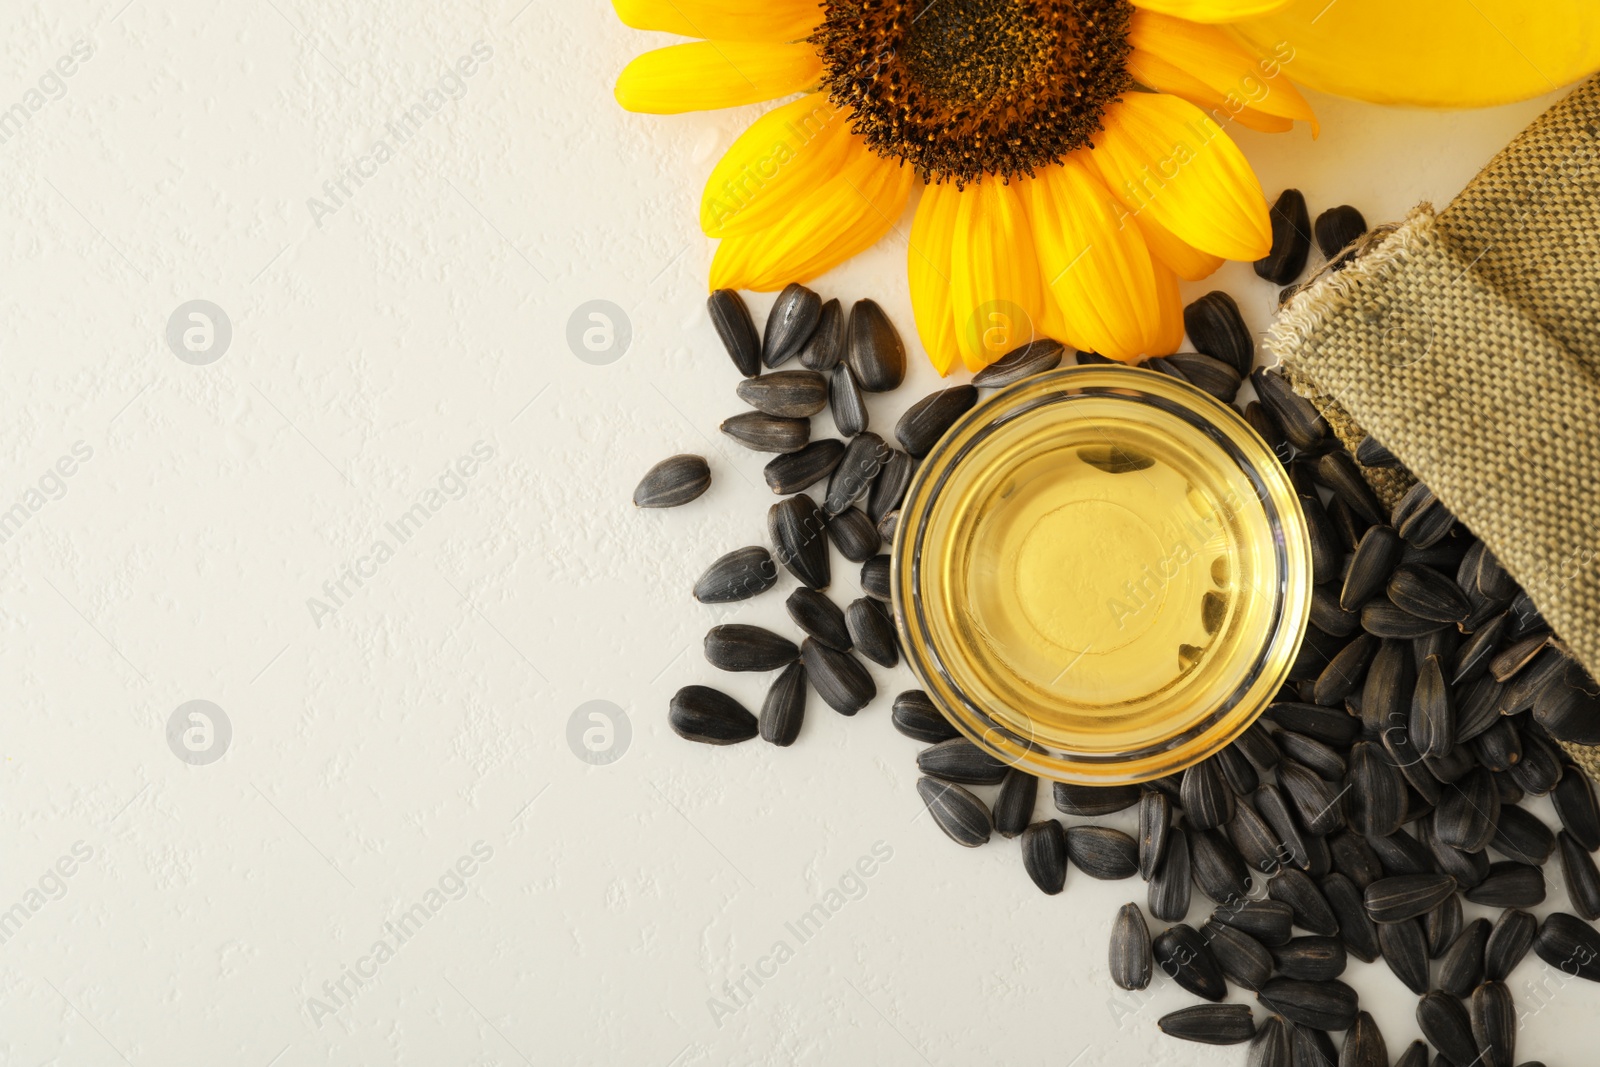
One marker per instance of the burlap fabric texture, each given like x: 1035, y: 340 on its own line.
x: 1468, y: 342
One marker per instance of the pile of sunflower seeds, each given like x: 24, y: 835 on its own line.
x: 1381, y: 790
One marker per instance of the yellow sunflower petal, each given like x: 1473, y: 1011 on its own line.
x: 1163, y: 156
x: 1095, y: 262
x: 996, y: 292
x: 790, y: 149
x: 1445, y: 53
x: 928, y: 271
x: 723, y: 20
x: 845, y: 215
x: 711, y: 74
x: 1157, y: 73
x: 1216, y: 59
x: 1169, y: 310
x: 1211, y: 10
x: 1190, y: 263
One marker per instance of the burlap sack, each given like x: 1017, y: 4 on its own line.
x: 1468, y: 342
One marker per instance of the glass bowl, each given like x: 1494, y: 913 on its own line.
x: 1101, y: 575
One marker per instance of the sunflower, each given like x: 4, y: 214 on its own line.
x: 1070, y: 152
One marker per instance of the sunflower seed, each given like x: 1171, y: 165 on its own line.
x: 1102, y: 852
x: 1508, y: 942
x: 1217, y: 330
x: 1327, y: 556
x: 790, y: 394
x: 1035, y: 357
x: 1377, y: 804
x: 838, y: 677
x: 818, y: 617
x: 1349, y: 525
x: 1509, y: 885
x: 1271, y: 1045
x: 1520, y: 835
x: 1328, y: 725
x: 875, y: 578
x: 1442, y: 925
x: 1540, y: 766
x: 1092, y: 801
x: 1271, y: 806
x: 924, y: 422
x: 1257, y: 746
x: 1387, y: 690
x: 1371, y: 453
x: 1328, y: 616
x: 1131, y: 960
x: 1494, y: 1024
x: 1257, y: 843
x: 1291, y: 239
x: 1433, y: 713
x: 784, y: 709
x: 1267, y: 428
x: 1468, y: 812
x: 1171, y: 884
x: 1206, y: 798
x: 739, y: 575
x: 1320, y: 758
x: 675, y: 480
x: 1313, y: 1048
x: 1477, y: 708
x: 1467, y: 868
x: 1013, y: 805
x: 1338, y: 472
x: 863, y: 458
x: 793, y: 317
x: 1574, y: 801
x: 889, y: 487
x: 888, y: 525
x: 1208, y: 374
x: 1356, y: 928
x: 1315, y: 799
x: 1309, y: 907
x: 1353, y: 857
x: 1363, y: 1045
x: 1445, y: 1024
x: 1570, y: 944
x: 854, y: 535
x: 1319, y: 858
x: 1568, y: 707
x: 1301, y: 423
x: 1581, y: 876
x: 1450, y: 767
x: 1402, y: 754
x: 1044, y: 855
x: 872, y: 631
x: 700, y: 713
x: 1210, y: 1024
x: 1384, y: 618
x: 1376, y: 556
x: 794, y: 471
x: 825, y: 347
x: 767, y: 433
x: 797, y: 528
x: 1405, y: 949
x: 1155, y: 825
x: 1329, y: 1005
x: 742, y: 647
x: 1526, y: 616
x: 1310, y: 959
x: 1182, y: 953
x: 1236, y: 771
x: 1407, y: 896
x: 1241, y: 957
x: 1346, y: 670
x: 1424, y: 592
x: 1426, y: 522
x: 1474, y: 657
x: 959, y: 814
x: 876, y: 353
x: 1219, y: 871
x: 959, y: 760
x: 915, y: 716
x: 732, y: 320
x: 1268, y: 921
x: 1317, y: 649
x: 1461, y: 965
x: 844, y: 400
x: 1336, y: 229
x: 1162, y: 365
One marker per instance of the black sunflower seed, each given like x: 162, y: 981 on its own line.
x: 872, y: 631
x: 1327, y: 554
x: 1461, y: 967
x: 1568, y: 707
x: 1405, y: 949
x: 1353, y: 857
x: 1444, y: 1022
x: 1272, y: 1045
x: 1182, y: 953
x: 1313, y: 1047
x: 1102, y: 852
x: 1540, y: 766
x: 1155, y: 826
x: 1316, y: 801
x: 1407, y: 896
x: 1256, y: 841
x: 1310, y: 959
x: 959, y: 814
x: 1442, y: 925
x: 1132, y: 962
x: 1210, y: 1024
x: 916, y: 717
x: 1338, y: 472
x: 1291, y: 239
x: 854, y: 535
x: 1451, y: 766
x: 1302, y: 424
x: 1013, y: 805
x: 1428, y: 594
x: 675, y: 480
x: 767, y: 433
x: 924, y: 422
x: 864, y: 457
x: 959, y: 760
x: 1494, y: 1024
x: 784, y: 709
x: 1401, y: 854
x: 1162, y: 365
x: 844, y: 400
x: 1346, y: 670
x: 1474, y: 656
x: 739, y: 646
x: 1356, y: 928
x: 1376, y: 555
x: 1525, y: 616
x: 789, y: 394
x: 799, y: 538
x: 1329, y: 1005
x: 1044, y: 855
x: 1520, y: 835
x: 1309, y: 907
x: 795, y: 471
x: 1219, y: 871
x: 818, y: 617
x: 1216, y: 329
x: 700, y: 713
x: 1433, y: 713
x: 888, y: 524
x: 732, y: 320
x: 1237, y: 771
x: 1328, y: 616
x: 1328, y: 725
x: 1371, y: 453
x: 793, y: 317
x: 1387, y: 690
x: 1467, y: 868
x: 1510, y: 661
x: 739, y: 575
x: 876, y: 353
x: 1271, y: 806
x: 1268, y: 921
x: 1581, y: 876
x: 875, y: 577
x: 1242, y: 958
x: 1172, y: 885
x: 1317, y: 649
x: 1376, y: 791
x: 838, y: 677
x: 1349, y: 525
x: 1035, y: 357
x: 1442, y: 643
x: 1208, y: 374
x: 1267, y: 428
x: 1415, y: 1055
x: 1468, y: 812
x: 1363, y: 1045
x: 1574, y: 801
x: 1509, y: 885
x: 1258, y: 747
x: 889, y: 487
x: 1508, y: 942
x: 1384, y: 618
x: 1320, y: 758
x: 825, y: 347
x: 1206, y: 798
x: 1426, y: 522
x: 1319, y: 858
x: 1092, y: 801
x: 1570, y: 944
x: 1336, y: 229
x: 1477, y: 707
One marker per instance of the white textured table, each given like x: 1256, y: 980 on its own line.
x: 398, y: 770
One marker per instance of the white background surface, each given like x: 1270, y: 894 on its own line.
x: 429, y: 712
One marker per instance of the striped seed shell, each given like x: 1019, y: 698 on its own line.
x: 784, y: 708
x: 1461, y: 967
x: 959, y: 760
x: 1492, y: 579
x: 1256, y: 841
x: 1442, y: 925
x: 1346, y: 671
x: 1442, y: 643
x: 1271, y: 1045
x: 1034, y: 357
x: 1415, y: 1055
x: 915, y: 716
x: 1526, y: 681
x: 1267, y: 428
x: 1513, y: 934
x: 1326, y: 614
x: 845, y: 402
x: 876, y: 353
x: 1218, y: 869
x: 1207, y: 800
x: 1568, y: 707
x: 1302, y: 424
x: 1311, y: 959
x: 789, y: 394
x: 739, y: 575
x: 875, y: 577
x: 1013, y: 804
x: 1444, y: 1022
x: 1182, y: 953
x: 889, y: 487
x: 1329, y: 1005
x: 1155, y: 826
x: 732, y: 320
x: 793, y: 317
x: 838, y: 677
x: 1327, y: 762
x: 962, y: 816
x: 700, y: 713
x: 1387, y: 690
x: 1044, y: 855
x: 1217, y: 377
x: 1384, y: 618
x: 1291, y: 239
x: 1372, y: 453
x: 1472, y: 659
x: 1568, y: 943
x: 888, y: 524
x: 1328, y: 725
x: 818, y: 617
x: 1468, y: 812
x: 1467, y: 868
x: 1400, y: 854
x: 767, y: 433
x: 825, y: 347
x: 863, y: 458
x: 1327, y: 554
x: 1407, y: 896
x: 1427, y: 523
x: 1338, y: 472
x: 1268, y: 921
x: 738, y: 646
x: 1521, y: 835
x: 798, y: 529
x: 1353, y: 857
x: 872, y: 631
x: 1242, y: 958
x: 1171, y: 886
x: 1210, y: 1024
x: 1092, y: 801
x: 1102, y: 852
x: 1316, y: 801
x: 1509, y: 885
x: 1216, y: 328
x: 1477, y: 707
x: 1376, y: 556
x: 1258, y: 747
x: 1313, y: 1047
x: 674, y: 481
x: 1336, y: 229
x: 1132, y: 962
x: 1271, y: 806
x: 924, y: 422
x: 1574, y: 801
x: 1363, y: 1045
x: 1494, y: 1024
x: 1356, y: 928
x: 1405, y: 949
x: 1425, y: 592
x: 1433, y: 713
x: 1376, y: 791
x: 1309, y: 907
x: 794, y: 472
x: 1539, y: 769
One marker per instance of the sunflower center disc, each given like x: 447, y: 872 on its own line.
x: 961, y: 89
